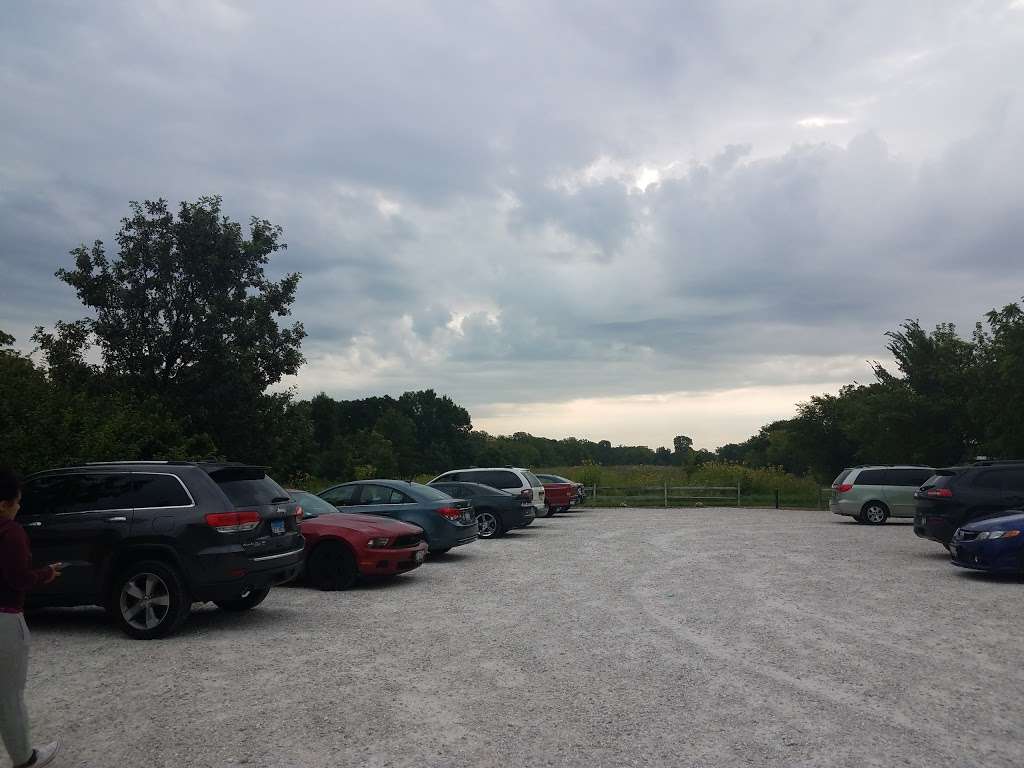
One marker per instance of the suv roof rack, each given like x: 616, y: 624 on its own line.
x: 862, y: 466
x: 133, y: 461
x: 983, y: 462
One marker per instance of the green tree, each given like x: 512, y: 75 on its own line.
x: 185, y: 313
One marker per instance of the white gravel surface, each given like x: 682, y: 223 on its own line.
x: 711, y: 637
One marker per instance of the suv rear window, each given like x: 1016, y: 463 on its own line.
x: 248, y: 486
x: 532, y: 479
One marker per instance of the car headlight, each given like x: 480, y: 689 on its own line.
x: 378, y: 543
x: 988, y: 535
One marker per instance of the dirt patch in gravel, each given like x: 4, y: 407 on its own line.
x: 697, y: 637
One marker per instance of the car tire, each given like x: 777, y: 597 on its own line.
x: 549, y: 511
x: 874, y: 513
x: 148, y: 600
x: 489, y: 524
x: 331, y: 566
x: 247, y: 600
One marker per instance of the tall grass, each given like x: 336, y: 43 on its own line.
x: 757, y: 486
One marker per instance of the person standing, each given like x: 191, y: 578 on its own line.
x: 17, y: 577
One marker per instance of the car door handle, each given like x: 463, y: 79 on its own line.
x: 117, y: 519
x: 35, y: 524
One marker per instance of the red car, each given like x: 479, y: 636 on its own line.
x: 341, y: 547
x: 558, y: 496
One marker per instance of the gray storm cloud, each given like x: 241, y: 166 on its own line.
x: 536, y: 202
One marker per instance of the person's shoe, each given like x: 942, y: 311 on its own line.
x: 42, y: 756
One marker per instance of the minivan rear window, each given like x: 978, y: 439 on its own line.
x: 841, y: 476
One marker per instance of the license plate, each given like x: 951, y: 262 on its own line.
x: 277, y: 526
x: 419, y: 556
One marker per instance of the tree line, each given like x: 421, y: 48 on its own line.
x: 186, y: 337
x: 950, y: 399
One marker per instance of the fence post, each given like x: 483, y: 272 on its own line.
x: 593, y: 491
x: 737, y: 493
x: 666, y: 494
x: 776, y: 498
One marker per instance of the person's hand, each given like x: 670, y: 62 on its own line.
x: 55, y: 569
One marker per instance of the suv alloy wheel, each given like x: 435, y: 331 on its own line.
x: 148, y: 599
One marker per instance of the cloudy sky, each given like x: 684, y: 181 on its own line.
x: 620, y: 221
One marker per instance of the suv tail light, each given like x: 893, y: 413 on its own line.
x: 298, y: 512
x: 939, y: 493
x: 231, y: 522
x: 843, y: 488
x: 450, y: 513
x: 526, y: 494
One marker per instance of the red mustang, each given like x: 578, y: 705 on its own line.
x: 341, y: 547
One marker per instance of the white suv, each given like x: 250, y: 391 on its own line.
x: 512, y: 479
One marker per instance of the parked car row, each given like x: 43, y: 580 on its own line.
x: 146, y: 540
x: 964, y: 508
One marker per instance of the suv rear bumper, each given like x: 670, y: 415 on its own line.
x: 241, y: 573
x: 934, y: 528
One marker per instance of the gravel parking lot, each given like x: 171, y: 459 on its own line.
x: 710, y: 637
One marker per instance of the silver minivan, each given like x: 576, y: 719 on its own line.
x: 872, y: 494
x: 521, y: 482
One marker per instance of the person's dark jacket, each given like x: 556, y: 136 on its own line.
x: 17, y: 576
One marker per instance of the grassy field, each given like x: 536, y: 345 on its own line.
x: 649, y: 485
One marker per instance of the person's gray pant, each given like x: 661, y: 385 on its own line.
x: 14, y: 639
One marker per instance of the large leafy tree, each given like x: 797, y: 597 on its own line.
x: 185, y: 312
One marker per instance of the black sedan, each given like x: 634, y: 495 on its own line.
x: 496, y: 511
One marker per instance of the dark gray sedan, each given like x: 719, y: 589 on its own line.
x: 446, y: 522
x: 496, y: 511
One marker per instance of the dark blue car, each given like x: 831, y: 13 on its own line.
x: 994, y: 544
x: 446, y: 522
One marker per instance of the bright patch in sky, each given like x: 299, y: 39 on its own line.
x: 821, y: 121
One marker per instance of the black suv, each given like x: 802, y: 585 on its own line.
x: 953, y: 496
x: 147, y: 539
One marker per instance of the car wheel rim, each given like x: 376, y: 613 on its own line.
x: 875, y: 514
x: 487, y: 524
x: 145, y: 601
